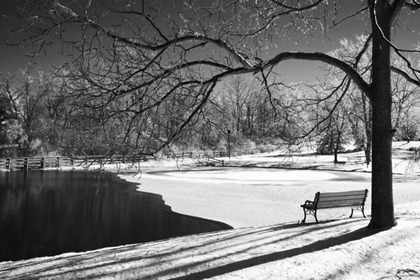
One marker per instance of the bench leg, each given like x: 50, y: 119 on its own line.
x: 308, y: 211
x: 361, y: 208
x: 363, y: 211
x: 304, y: 217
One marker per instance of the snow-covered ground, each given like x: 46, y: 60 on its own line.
x: 338, y: 249
x: 268, y: 241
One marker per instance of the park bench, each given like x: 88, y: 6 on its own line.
x: 354, y: 199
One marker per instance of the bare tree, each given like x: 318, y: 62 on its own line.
x: 183, y: 49
x: 10, y: 131
x: 406, y: 102
x: 330, y: 114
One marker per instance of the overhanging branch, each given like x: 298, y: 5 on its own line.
x: 406, y: 76
x: 346, y: 68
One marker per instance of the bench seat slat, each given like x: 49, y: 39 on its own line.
x: 321, y: 197
x: 337, y: 206
x: 340, y: 202
x: 334, y: 205
x: 341, y: 199
x: 351, y: 193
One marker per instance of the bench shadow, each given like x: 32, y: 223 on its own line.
x: 313, y: 247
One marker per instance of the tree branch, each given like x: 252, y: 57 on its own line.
x: 349, y: 70
x: 406, y: 76
x: 414, y: 5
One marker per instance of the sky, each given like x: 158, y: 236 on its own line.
x: 10, y: 57
x: 13, y: 58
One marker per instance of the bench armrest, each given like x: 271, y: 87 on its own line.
x: 308, y: 204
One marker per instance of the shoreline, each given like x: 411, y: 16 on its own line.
x: 167, y: 208
x: 258, y: 203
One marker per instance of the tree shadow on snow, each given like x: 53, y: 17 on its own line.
x: 276, y: 256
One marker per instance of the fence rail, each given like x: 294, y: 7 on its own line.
x: 213, y: 154
x: 29, y: 163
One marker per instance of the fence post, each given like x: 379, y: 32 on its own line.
x: 58, y: 162
x: 26, y: 164
x: 8, y: 163
x: 43, y: 163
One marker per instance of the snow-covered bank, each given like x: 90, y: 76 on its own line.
x: 243, y: 197
x: 340, y: 249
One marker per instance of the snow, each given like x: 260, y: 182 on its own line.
x: 268, y: 241
x: 340, y: 249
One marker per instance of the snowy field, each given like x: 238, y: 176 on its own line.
x: 268, y: 241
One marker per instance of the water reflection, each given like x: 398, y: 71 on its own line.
x: 45, y: 213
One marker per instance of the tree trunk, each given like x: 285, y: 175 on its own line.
x: 367, y: 156
x: 335, y: 156
x: 382, y: 132
x: 337, y: 146
x: 367, y: 118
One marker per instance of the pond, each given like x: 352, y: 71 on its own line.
x: 44, y: 213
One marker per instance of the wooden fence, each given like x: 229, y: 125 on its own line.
x: 213, y: 154
x: 31, y: 163
x: 197, y: 155
x: 27, y: 163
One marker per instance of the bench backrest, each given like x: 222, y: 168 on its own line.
x: 340, y: 199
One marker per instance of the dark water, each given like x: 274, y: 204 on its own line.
x: 44, y: 213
